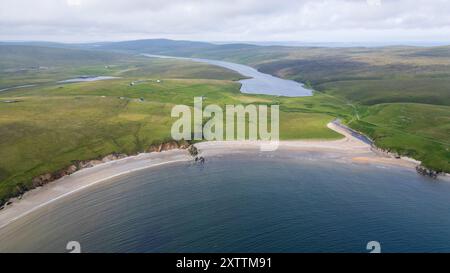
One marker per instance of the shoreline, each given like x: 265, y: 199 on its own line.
x: 349, y: 148
x: 40, y: 197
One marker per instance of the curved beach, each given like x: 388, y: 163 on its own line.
x: 348, y: 149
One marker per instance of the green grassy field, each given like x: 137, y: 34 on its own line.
x: 416, y: 130
x: 23, y: 65
x: 400, y: 96
x: 397, y: 96
x: 52, y: 125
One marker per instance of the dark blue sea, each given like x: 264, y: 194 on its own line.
x: 253, y: 203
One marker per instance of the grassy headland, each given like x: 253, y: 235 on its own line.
x: 399, y: 97
x: 51, y: 125
x: 410, y: 84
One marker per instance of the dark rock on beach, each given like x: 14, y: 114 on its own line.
x: 200, y: 159
x: 427, y: 172
x: 193, y: 151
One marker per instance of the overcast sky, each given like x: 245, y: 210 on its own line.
x: 226, y: 20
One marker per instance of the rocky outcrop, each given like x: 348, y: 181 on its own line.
x: 166, y: 146
x: 383, y: 152
x: 91, y: 163
x: 427, y: 172
x: 422, y: 170
x: 200, y: 159
x: 193, y: 151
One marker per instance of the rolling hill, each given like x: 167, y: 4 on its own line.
x: 399, y: 96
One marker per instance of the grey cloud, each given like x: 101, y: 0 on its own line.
x: 223, y: 20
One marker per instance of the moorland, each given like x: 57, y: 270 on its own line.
x: 398, y: 96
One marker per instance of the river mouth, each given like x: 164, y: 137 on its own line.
x: 257, y: 82
x: 246, y: 202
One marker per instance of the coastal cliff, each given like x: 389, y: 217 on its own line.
x: 421, y: 169
x: 77, y: 165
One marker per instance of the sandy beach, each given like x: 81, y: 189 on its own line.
x: 348, y: 149
x: 40, y: 197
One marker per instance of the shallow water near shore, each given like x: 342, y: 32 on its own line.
x: 259, y: 202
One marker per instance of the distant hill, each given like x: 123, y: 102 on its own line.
x: 178, y: 48
x: 156, y: 46
x: 25, y: 56
x: 367, y: 75
x: 33, y: 43
x: 235, y: 52
x: 436, y: 52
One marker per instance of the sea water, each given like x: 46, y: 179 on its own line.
x: 277, y: 202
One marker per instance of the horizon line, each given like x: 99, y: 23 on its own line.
x: 287, y: 43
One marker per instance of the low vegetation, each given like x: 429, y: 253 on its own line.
x: 49, y: 126
x: 399, y: 97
